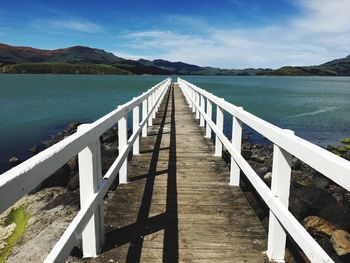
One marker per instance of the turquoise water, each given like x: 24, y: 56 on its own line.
x: 315, y: 108
x: 34, y: 106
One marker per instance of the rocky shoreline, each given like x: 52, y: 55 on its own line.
x: 318, y: 203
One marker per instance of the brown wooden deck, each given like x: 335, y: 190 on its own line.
x: 178, y: 206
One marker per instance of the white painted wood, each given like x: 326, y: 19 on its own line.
x: 153, y: 104
x: 90, y: 174
x: 237, y: 144
x: 144, y: 117
x: 197, y: 102
x: 156, y: 96
x: 33, y: 171
x: 188, y: 97
x: 220, y: 125
x: 309, y: 246
x: 122, y: 143
x: 327, y: 163
x: 135, y: 126
x: 209, y: 113
x: 149, y: 107
x: 280, y: 186
x: 63, y: 247
x: 194, y: 100
x: 201, y: 122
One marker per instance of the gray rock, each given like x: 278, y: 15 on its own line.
x: 72, y: 127
x: 73, y: 164
x: 73, y: 183
x: 257, y: 158
x: 67, y: 198
x: 37, y: 249
x: 309, y: 200
x: 268, y: 176
x: 45, y: 226
x: 320, y: 181
x: 325, y: 244
x: 34, y: 149
x: 338, y: 215
x: 340, y: 241
x: 59, y: 178
x: 297, y: 208
x: 109, y: 136
x: 14, y: 160
x: 296, y: 164
x: 246, y: 153
x: 262, y: 171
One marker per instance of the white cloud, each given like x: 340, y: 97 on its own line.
x: 324, y: 16
x: 66, y: 24
x: 320, y: 33
x: 127, y: 55
x: 76, y: 25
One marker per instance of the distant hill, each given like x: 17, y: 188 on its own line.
x: 74, y: 55
x: 337, y: 67
x: 181, y: 68
x: 86, y: 60
x: 63, y: 68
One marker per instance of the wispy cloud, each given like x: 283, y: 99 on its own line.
x: 321, y: 32
x: 64, y: 24
x: 76, y: 25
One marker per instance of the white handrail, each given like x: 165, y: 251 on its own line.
x: 288, y: 144
x: 63, y: 247
x: 23, y: 178
x: 327, y: 163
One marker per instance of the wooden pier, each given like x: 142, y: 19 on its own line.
x: 178, y: 205
x: 177, y: 200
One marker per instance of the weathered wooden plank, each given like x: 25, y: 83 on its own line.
x: 178, y: 205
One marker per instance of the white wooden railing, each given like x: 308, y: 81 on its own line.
x: 286, y: 145
x: 88, y: 223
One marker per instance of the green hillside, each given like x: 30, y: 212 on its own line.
x: 63, y: 68
x: 337, y: 67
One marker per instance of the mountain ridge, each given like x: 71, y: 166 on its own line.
x: 22, y: 59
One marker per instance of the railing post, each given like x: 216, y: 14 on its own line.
x: 122, y: 141
x: 198, y: 104
x: 153, y: 103
x: 237, y: 144
x: 209, y: 113
x: 194, y: 97
x: 90, y: 174
x: 157, y: 97
x: 135, y: 126
x: 201, y: 122
x: 149, y: 109
x: 280, y: 186
x: 144, y: 116
x: 188, y: 91
x: 220, y: 126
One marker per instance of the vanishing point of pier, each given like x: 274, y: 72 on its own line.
x: 176, y: 199
x: 179, y: 205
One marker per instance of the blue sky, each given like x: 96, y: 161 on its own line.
x: 223, y: 33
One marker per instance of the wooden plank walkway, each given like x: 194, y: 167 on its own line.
x: 178, y: 206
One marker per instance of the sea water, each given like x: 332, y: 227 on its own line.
x: 34, y: 106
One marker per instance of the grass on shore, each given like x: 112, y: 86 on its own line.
x: 346, y: 141
x: 20, y: 218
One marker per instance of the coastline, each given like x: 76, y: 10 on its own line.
x: 54, y: 135
x: 329, y: 206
